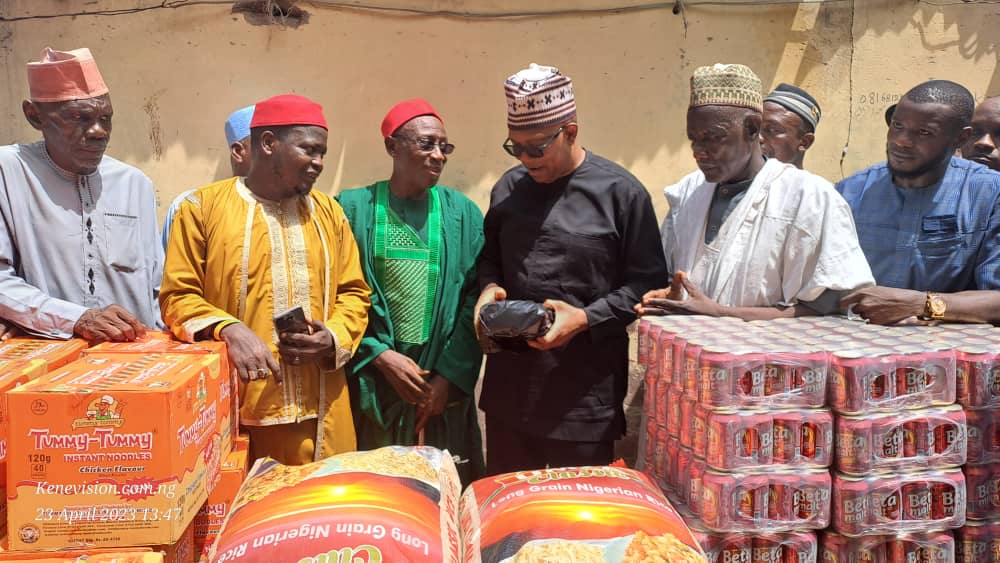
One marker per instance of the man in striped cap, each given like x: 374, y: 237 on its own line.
x: 576, y: 232
x: 790, y: 118
x: 746, y: 236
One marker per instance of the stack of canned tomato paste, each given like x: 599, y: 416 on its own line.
x: 742, y: 422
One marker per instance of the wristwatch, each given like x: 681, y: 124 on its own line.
x: 934, y: 307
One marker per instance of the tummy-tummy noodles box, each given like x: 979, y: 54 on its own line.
x: 88, y: 556
x: 114, y: 450
x: 159, y: 342
x: 56, y: 353
x: 13, y: 373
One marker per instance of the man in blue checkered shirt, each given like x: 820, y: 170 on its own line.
x: 928, y: 222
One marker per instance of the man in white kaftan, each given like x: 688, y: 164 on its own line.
x: 79, y: 252
x: 745, y: 236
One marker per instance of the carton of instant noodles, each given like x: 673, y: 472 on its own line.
x: 160, y: 342
x: 579, y: 514
x: 13, y: 374
x: 212, y: 515
x: 137, y: 555
x: 391, y: 504
x: 113, y: 451
x: 56, y: 353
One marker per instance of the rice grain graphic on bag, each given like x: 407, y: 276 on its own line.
x: 576, y: 514
x: 393, y: 504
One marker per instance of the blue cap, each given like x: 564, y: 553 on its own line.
x: 238, y: 125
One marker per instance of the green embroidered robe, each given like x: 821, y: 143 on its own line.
x: 381, y: 417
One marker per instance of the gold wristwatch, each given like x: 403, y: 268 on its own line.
x: 934, y: 307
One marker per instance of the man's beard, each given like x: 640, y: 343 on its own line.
x: 918, y: 172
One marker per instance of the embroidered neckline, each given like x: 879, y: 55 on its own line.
x: 41, y: 147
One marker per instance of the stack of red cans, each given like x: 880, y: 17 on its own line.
x: 900, y: 445
x: 978, y: 391
x: 739, y: 432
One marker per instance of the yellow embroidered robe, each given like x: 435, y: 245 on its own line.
x: 232, y: 255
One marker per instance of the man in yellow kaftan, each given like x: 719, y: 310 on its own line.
x: 246, y: 249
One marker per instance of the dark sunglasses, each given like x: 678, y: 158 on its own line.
x: 426, y: 144
x: 534, y: 151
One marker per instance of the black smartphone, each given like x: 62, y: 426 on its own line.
x: 292, y: 320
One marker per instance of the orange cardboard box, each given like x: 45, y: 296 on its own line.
x: 160, y: 342
x: 56, y: 353
x: 13, y: 373
x: 137, y: 555
x: 210, y: 518
x: 180, y: 552
x: 120, y: 450
x: 242, y: 442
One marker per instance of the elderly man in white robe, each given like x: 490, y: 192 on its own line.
x: 746, y: 236
x: 79, y: 253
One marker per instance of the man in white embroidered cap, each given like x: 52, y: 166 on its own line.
x: 748, y: 237
x: 78, y: 237
x: 576, y: 232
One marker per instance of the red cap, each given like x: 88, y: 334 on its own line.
x: 288, y: 109
x: 405, y: 111
x: 65, y: 75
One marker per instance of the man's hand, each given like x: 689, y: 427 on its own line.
x: 110, y: 324
x: 298, y: 347
x: 675, y: 292
x: 248, y: 354
x: 405, y: 377
x: 885, y: 305
x: 435, y: 402
x: 8, y: 330
x: 569, y: 322
x: 493, y: 292
x: 697, y: 303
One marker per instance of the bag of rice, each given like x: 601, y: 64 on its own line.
x: 575, y: 514
x: 390, y: 504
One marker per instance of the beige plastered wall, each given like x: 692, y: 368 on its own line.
x: 175, y: 74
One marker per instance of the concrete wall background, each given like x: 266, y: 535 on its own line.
x: 175, y: 74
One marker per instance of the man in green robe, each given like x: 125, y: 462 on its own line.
x: 413, y: 378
